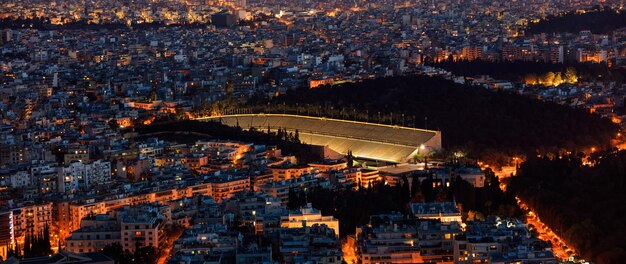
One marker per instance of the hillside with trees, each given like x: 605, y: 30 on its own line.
x: 598, y: 21
x: 582, y: 204
x: 488, y: 124
x: 534, y: 72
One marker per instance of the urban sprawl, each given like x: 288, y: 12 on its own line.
x: 75, y: 178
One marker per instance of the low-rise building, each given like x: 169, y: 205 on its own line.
x: 309, y: 216
x: 445, y: 212
x: 497, y: 240
x: 314, y: 244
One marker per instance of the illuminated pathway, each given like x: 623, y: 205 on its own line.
x: 349, y: 255
x: 561, y: 250
x: 559, y: 247
x: 166, y: 250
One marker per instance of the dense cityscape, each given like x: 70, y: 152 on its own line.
x: 307, y: 131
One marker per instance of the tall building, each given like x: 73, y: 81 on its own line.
x: 496, y: 240
x: 313, y: 244
x: 25, y: 218
x: 141, y: 230
x: 223, y: 19
x: 6, y: 232
x: 133, y: 227
x: 13, y: 154
x: 557, y: 54
x: 45, y: 176
x: 471, y: 53
x: 95, y: 233
x: 6, y: 35
x: 395, y: 238
x: 84, y: 175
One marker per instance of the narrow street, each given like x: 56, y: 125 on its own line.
x: 348, y: 253
x: 166, y: 249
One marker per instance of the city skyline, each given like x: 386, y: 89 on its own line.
x: 265, y: 131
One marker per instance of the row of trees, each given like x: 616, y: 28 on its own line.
x: 289, y: 143
x: 297, y: 198
x: 287, y: 136
x: 354, y: 207
x: 281, y: 133
x: 38, y: 244
x: 487, y: 200
x: 531, y: 72
x: 226, y: 105
x: 142, y: 255
x: 552, y: 78
x: 598, y: 20
x: 582, y: 204
x: 35, y: 245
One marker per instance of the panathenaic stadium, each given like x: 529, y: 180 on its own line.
x: 365, y: 140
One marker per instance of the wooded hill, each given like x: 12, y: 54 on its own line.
x: 488, y: 124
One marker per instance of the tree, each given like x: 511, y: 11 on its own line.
x: 442, y: 196
x: 279, y: 133
x: 293, y: 199
x: 113, y: 124
x: 296, y: 137
x: 47, y: 247
x: 17, y: 251
x: 205, y: 106
x: 180, y: 114
x: 301, y: 198
x: 405, y: 191
x: 417, y: 157
x: 428, y: 190
x: 558, y: 79
x: 531, y: 79
x: 547, y: 79
x: 27, y: 246
x: 230, y: 87
x: 570, y: 75
x: 416, y: 189
x: 145, y: 255
x: 36, y: 245
x: 13, y: 251
x: 141, y: 255
x: 475, y: 216
x: 349, y: 159
x: 580, y: 203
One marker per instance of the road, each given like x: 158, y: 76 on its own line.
x: 166, y: 249
x: 349, y: 255
x: 559, y: 246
